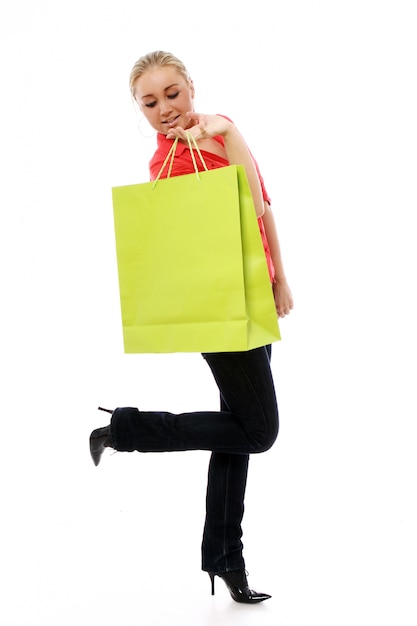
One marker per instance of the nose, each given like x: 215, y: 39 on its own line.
x: 165, y: 107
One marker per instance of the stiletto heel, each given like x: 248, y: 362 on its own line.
x: 238, y: 587
x: 212, y: 582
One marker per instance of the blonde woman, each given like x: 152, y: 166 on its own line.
x: 247, y: 422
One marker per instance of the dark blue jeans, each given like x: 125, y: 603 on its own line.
x: 247, y: 423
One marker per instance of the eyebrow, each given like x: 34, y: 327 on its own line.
x: 150, y: 95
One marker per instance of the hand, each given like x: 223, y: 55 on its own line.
x: 283, y: 298
x: 201, y: 127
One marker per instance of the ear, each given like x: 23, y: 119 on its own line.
x: 192, y: 89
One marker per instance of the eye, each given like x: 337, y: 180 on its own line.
x: 150, y: 105
x: 172, y: 96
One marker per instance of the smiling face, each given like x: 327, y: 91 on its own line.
x: 164, y: 97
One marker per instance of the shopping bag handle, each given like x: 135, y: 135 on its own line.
x: 192, y: 144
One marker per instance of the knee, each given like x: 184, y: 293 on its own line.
x: 264, y: 442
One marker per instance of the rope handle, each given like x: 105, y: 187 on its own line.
x: 192, y: 144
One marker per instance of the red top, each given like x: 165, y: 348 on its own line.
x: 183, y: 164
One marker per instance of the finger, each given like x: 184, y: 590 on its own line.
x: 199, y: 119
x: 176, y: 132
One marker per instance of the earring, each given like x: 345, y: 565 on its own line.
x: 146, y: 135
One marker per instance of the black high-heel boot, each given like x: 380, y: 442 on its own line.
x: 238, y: 587
x: 99, y: 440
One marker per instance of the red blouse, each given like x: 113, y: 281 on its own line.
x: 183, y: 164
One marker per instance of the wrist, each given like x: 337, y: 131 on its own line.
x: 280, y: 279
x: 230, y: 131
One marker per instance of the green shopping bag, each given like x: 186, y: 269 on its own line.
x: 192, y: 270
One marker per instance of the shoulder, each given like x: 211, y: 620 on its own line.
x: 225, y: 117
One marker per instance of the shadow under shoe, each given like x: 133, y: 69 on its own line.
x: 99, y: 440
x: 238, y: 587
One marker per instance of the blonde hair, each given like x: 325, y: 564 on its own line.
x: 149, y: 61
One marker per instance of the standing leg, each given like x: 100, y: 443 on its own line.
x: 222, y: 545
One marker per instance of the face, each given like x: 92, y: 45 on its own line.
x: 164, y: 97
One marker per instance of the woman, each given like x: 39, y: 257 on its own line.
x: 248, y: 418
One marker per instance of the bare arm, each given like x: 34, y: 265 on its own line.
x: 236, y: 149
x: 282, y: 293
x: 238, y: 153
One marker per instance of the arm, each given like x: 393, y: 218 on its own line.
x: 238, y: 153
x: 282, y: 293
x: 236, y: 149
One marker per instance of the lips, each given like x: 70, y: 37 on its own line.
x: 172, y: 122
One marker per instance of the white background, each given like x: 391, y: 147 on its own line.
x: 325, y: 94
